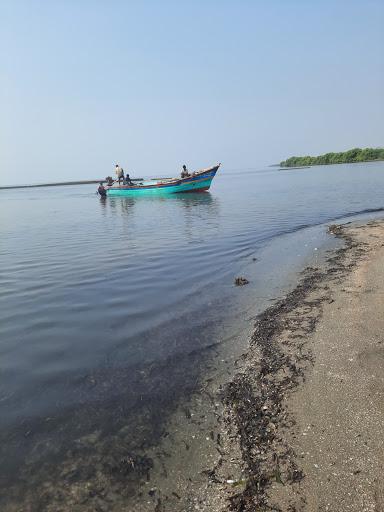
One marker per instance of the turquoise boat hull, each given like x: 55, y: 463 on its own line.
x: 199, y: 182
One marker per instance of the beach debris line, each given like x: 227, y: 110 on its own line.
x: 255, y: 397
x: 241, y: 281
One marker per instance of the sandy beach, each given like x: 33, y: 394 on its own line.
x: 307, y: 405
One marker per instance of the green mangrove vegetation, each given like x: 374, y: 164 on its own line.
x: 345, y: 157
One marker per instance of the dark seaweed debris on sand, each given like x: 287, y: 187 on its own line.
x: 274, y: 365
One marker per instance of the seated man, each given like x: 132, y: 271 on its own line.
x: 128, y: 180
x: 184, y: 172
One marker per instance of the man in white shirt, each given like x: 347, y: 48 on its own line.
x: 119, y: 173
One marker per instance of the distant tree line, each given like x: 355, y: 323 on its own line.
x: 351, y: 156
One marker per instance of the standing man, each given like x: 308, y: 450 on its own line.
x: 119, y: 173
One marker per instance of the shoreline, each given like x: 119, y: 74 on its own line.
x: 250, y: 457
x: 276, y: 366
x: 237, y: 444
x: 122, y: 463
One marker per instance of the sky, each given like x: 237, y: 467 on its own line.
x: 151, y: 85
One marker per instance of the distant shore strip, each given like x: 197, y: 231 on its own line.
x: 59, y: 184
x: 355, y: 155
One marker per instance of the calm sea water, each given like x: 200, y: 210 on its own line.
x: 108, y: 307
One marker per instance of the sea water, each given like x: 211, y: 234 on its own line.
x: 111, y: 307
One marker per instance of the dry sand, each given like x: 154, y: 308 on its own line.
x: 339, y: 411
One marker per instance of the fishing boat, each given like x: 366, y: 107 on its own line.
x: 199, y: 181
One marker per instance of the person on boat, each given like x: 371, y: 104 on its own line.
x: 101, y: 190
x: 184, y: 172
x: 119, y: 173
x: 128, y: 180
x: 109, y: 181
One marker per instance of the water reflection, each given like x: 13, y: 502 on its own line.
x: 189, y: 200
x: 120, y: 204
x: 192, y: 216
x: 198, y: 207
x: 193, y: 208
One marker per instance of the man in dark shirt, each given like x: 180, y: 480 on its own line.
x: 184, y: 172
x: 128, y: 180
x: 101, y: 190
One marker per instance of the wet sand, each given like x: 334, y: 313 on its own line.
x: 307, y: 405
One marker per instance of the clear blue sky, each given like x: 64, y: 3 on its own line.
x: 155, y: 84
